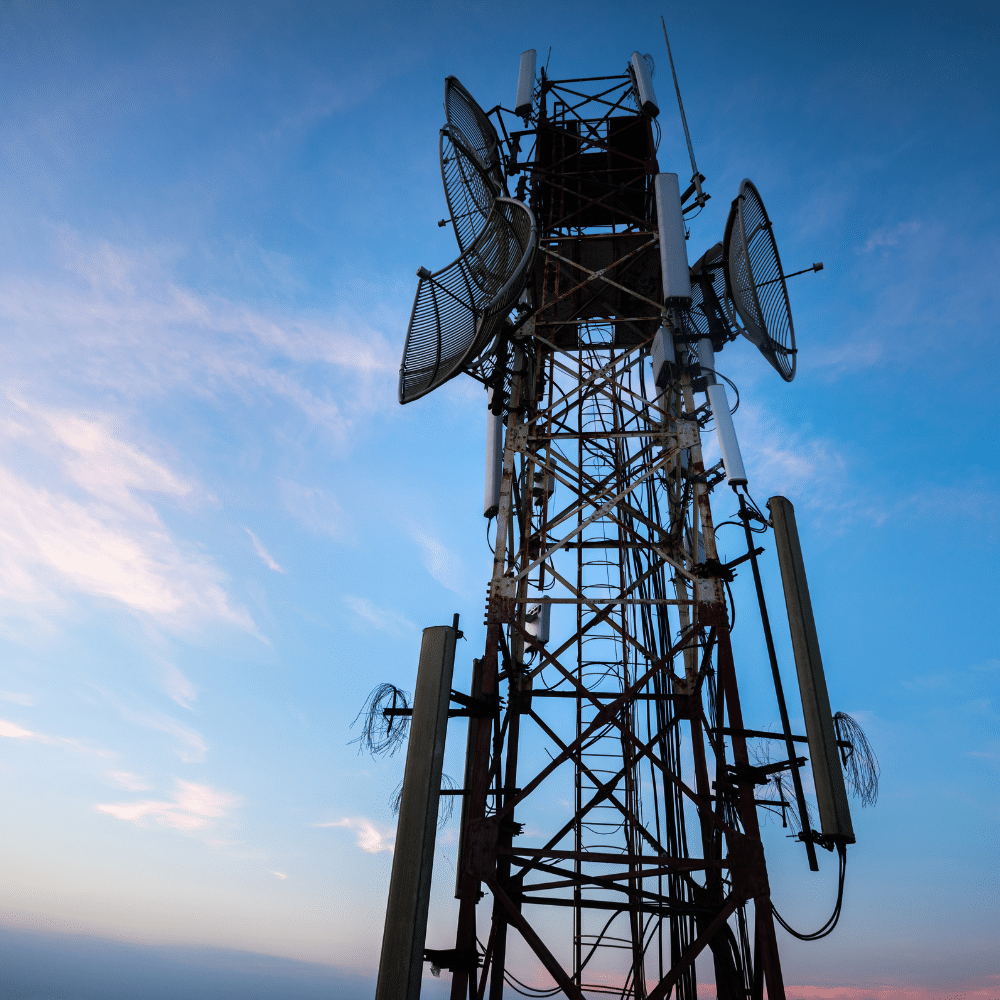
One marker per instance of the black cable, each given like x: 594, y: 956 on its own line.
x: 732, y: 606
x: 513, y: 982
x: 829, y: 926
x: 753, y: 504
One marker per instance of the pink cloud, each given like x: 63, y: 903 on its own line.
x: 193, y: 807
x: 985, y: 988
x: 15, y: 732
x: 367, y: 836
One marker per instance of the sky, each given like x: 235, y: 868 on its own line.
x: 219, y: 530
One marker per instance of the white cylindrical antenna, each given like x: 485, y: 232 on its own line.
x: 732, y: 460
x: 828, y: 776
x: 525, y: 84
x: 673, y: 246
x: 706, y: 355
x: 494, y: 460
x: 644, y: 85
x: 402, y: 960
x: 728, y: 445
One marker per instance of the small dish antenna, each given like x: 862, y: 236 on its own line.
x: 755, y: 281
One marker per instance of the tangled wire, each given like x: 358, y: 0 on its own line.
x: 861, y: 770
x: 383, y: 731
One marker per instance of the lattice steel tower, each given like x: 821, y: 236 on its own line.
x: 610, y: 803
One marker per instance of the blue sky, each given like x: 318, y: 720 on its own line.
x: 218, y: 529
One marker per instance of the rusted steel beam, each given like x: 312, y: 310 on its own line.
x: 552, y: 966
x: 680, y: 864
x: 662, y: 990
x: 679, y: 909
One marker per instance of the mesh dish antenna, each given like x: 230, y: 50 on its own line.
x: 755, y: 281
x: 468, y: 188
x: 468, y: 122
x: 459, y: 310
x: 712, y: 312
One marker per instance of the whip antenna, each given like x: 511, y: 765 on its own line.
x: 696, y: 178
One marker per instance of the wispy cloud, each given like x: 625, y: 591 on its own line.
x: 380, y: 618
x: 128, y: 780
x: 77, y: 519
x: 443, y: 564
x: 13, y: 731
x: 811, y: 469
x: 984, y: 987
x: 130, y: 327
x: 367, y: 836
x: 317, y: 510
x: 178, y: 687
x: 280, y: 875
x: 890, y: 236
x: 193, y: 807
x: 265, y: 557
x: 191, y: 746
x: 18, y: 699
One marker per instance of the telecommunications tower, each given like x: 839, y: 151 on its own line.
x: 609, y: 806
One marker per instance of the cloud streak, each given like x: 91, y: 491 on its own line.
x: 128, y: 326
x: 18, y: 699
x: 89, y: 528
x: 265, y: 557
x: 13, y: 731
x: 191, y: 746
x: 442, y: 563
x: 380, y: 618
x: 128, y: 780
x: 193, y: 807
x: 178, y: 687
x: 367, y: 836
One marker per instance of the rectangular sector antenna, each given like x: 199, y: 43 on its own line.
x: 729, y: 445
x: 831, y: 794
x: 525, y: 84
x: 673, y: 247
x: 401, y: 964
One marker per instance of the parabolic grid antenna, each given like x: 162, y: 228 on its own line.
x: 459, y: 309
x: 468, y: 188
x: 755, y: 281
x: 468, y: 122
x: 711, y: 308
